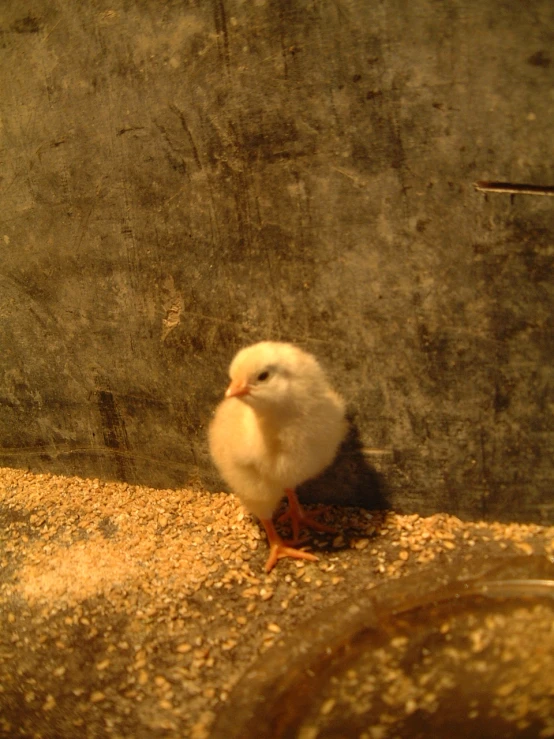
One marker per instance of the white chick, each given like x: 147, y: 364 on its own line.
x: 279, y: 425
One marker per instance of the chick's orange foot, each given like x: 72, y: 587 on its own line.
x: 299, y: 518
x: 278, y: 549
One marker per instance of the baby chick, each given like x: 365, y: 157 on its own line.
x: 279, y: 425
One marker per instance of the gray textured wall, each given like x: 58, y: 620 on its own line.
x: 180, y: 179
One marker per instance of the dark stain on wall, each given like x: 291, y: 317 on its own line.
x: 114, y: 433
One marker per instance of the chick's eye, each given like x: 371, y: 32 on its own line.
x: 263, y: 376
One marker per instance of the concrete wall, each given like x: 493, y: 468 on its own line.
x: 180, y: 179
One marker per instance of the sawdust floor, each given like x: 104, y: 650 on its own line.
x: 132, y: 612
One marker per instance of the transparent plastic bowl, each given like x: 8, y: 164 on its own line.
x: 441, y: 654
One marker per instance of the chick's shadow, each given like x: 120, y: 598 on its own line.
x: 350, y: 480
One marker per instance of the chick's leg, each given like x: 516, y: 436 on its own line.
x: 299, y: 517
x: 278, y: 549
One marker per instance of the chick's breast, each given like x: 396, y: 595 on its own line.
x: 244, y: 457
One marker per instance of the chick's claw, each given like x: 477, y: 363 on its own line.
x: 305, y: 521
x: 300, y: 518
x: 278, y: 549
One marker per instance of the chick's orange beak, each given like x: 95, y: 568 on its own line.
x: 237, y: 388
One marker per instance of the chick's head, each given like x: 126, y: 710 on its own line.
x: 273, y: 377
